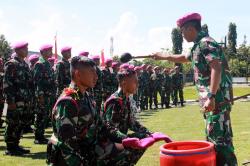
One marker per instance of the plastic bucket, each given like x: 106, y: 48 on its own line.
x: 187, y: 153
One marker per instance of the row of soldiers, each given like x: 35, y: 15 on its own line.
x: 39, y: 92
x: 31, y: 90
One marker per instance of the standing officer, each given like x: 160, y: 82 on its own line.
x: 144, y: 83
x: 212, y: 84
x: 44, y: 89
x: 98, y: 89
x: 62, y: 73
x: 177, y: 79
x: 107, y: 80
x: 17, y: 93
x: 167, y: 88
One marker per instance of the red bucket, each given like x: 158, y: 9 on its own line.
x: 188, y: 153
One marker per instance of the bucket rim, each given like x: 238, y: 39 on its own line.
x: 209, y: 147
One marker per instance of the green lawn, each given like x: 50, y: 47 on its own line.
x: 179, y: 123
x: 191, y: 93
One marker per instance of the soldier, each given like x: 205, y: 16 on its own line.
x: 144, y: 82
x: 1, y: 91
x: 32, y: 61
x: 44, y: 89
x: 16, y: 88
x: 62, y: 73
x: 212, y: 84
x: 177, y: 80
x: 115, y: 67
x: 52, y: 62
x: 137, y: 96
x: 119, y: 116
x: 152, y: 88
x: 167, y: 88
x: 159, y: 83
x: 77, y: 127
x: 98, y: 89
x: 107, y: 81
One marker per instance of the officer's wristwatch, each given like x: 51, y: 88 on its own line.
x: 210, y: 95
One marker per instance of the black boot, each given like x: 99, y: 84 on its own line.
x: 22, y: 150
x: 41, y: 140
x: 12, y: 151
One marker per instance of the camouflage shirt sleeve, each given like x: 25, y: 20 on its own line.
x: 112, y: 122
x: 59, y: 74
x: 9, y: 88
x: 38, y: 79
x: 210, y: 51
x: 65, y: 125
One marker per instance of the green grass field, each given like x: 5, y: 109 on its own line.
x: 190, y: 91
x: 180, y: 123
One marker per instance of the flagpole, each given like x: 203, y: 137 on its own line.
x: 56, y: 56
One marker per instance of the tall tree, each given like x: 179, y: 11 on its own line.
x: 232, y: 38
x: 204, y: 28
x: 5, y: 49
x: 177, y: 40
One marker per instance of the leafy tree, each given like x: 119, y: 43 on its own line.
x: 5, y: 49
x: 232, y: 37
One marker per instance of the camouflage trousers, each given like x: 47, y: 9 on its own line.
x: 177, y: 91
x: 153, y: 98
x: 42, y: 113
x: 15, y: 121
x: 144, y: 96
x: 165, y: 98
x: 219, y: 132
x: 109, y: 155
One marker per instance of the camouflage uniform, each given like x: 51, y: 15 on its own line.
x: 159, y: 84
x: 144, y: 83
x: 152, y: 91
x: 16, y: 88
x: 115, y: 81
x: 177, y: 79
x: 80, y: 138
x: 62, y: 75
x: 74, y: 121
x: 218, y: 124
x: 167, y: 88
x: 119, y: 117
x: 44, y: 87
x: 107, y: 83
x: 98, y: 90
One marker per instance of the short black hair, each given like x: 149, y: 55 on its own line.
x: 78, y: 62
x: 125, y: 73
x: 194, y: 23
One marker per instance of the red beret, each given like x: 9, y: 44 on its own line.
x: 188, y: 17
x: 137, y: 68
x: 33, y: 57
x: 108, y: 60
x: 131, y: 67
x: 46, y: 47
x: 64, y: 49
x: 114, y: 64
x: 52, y: 59
x: 95, y: 57
x: 84, y: 53
x: 19, y: 45
x: 124, y: 66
